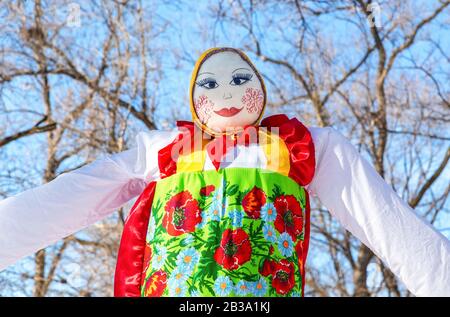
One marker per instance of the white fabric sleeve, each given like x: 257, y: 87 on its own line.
x: 41, y: 216
x: 351, y: 189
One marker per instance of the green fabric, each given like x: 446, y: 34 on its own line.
x: 192, y: 256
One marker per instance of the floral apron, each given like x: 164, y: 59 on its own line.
x: 223, y: 232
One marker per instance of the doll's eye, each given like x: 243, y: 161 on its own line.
x: 208, y: 83
x: 240, y: 79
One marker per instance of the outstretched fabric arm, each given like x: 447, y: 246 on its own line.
x: 368, y: 207
x: 41, y: 216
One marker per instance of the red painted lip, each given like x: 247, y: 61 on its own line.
x: 228, y: 112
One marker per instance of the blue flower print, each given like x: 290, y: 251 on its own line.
x: 285, y: 244
x: 242, y: 288
x: 189, y: 240
x: 195, y: 294
x: 268, y: 212
x: 187, y: 259
x: 159, y: 258
x: 269, y: 233
x: 223, y: 286
x: 236, y: 217
x: 177, y: 277
x: 151, y: 229
x: 205, y: 219
x: 259, y: 288
x: 178, y: 290
x: 216, y: 211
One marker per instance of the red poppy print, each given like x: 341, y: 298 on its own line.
x: 253, y: 202
x: 267, y: 267
x: 283, y: 277
x: 234, y: 249
x: 156, y: 284
x: 147, y: 259
x: 299, y: 250
x: 289, y: 216
x: 253, y: 100
x: 182, y: 214
x: 203, y: 107
x: 207, y: 190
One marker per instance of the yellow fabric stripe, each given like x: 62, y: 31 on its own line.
x: 276, y: 151
x: 191, y: 162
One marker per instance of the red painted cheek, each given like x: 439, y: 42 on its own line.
x: 253, y: 100
x: 203, y: 107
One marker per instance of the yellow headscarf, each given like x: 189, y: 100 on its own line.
x: 205, y: 55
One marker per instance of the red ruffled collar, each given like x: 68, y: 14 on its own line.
x: 296, y: 136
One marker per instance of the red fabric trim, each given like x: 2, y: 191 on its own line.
x: 218, y: 148
x: 274, y: 121
x: 305, y: 245
x: 300, y: 145
x: 302, y: 246
x: 130, y: 258
x: 186, y: 124
x: 295, y: 135
x: 302, y: 159
x: 167, y: 166
x: 167, y: 156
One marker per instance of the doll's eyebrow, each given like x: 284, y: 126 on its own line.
x: 240, y: 68
x: 205, y: 73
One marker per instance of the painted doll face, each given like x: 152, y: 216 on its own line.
x: 228, y: 95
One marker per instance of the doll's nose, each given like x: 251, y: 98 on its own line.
x: 227, y: 95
